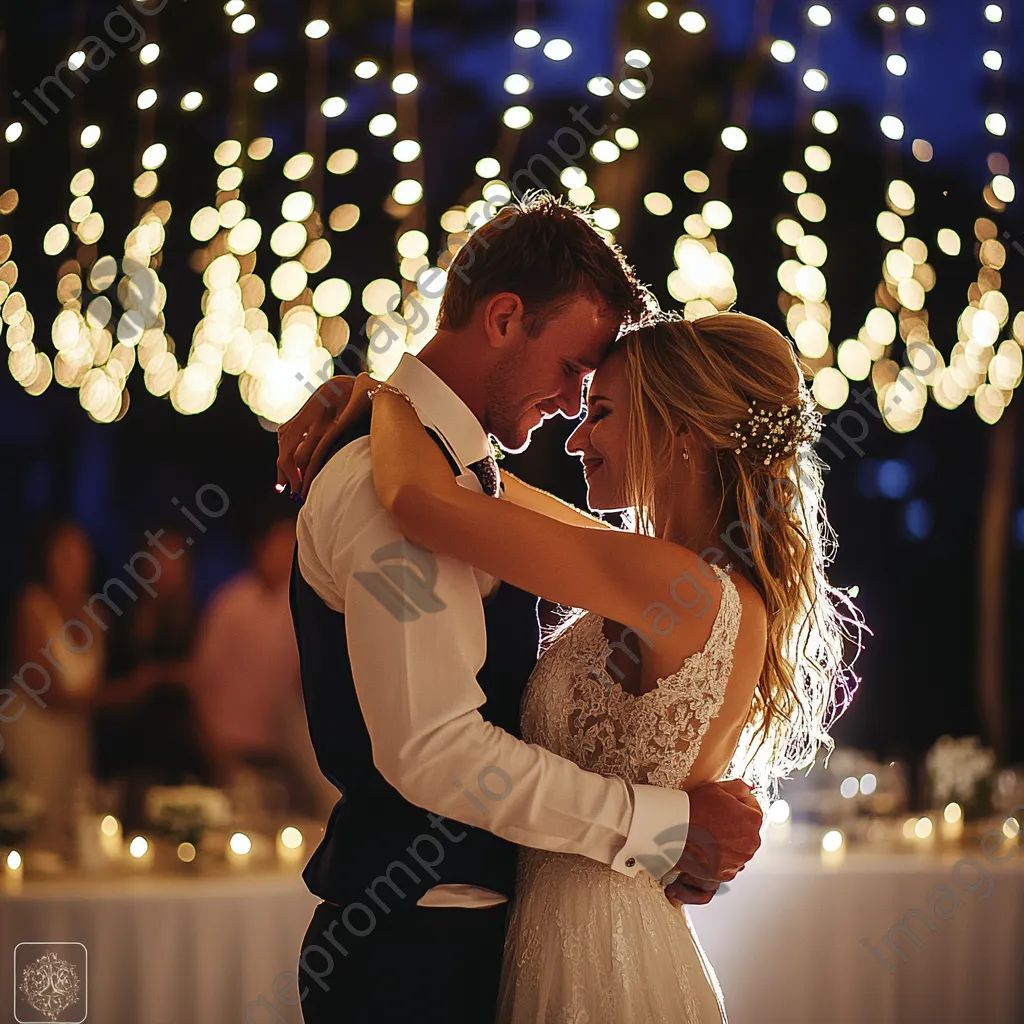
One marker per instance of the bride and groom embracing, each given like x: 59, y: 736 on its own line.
x: 516, y: 837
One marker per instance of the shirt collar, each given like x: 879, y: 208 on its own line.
x: 439, y: 407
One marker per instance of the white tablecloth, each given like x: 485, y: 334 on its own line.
x: 785, y: 940
x: 169, y: 951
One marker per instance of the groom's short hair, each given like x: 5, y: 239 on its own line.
x: 546, y: 252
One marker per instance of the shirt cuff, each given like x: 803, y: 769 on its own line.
x: 657, y: 833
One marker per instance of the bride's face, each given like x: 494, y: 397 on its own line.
x: 600, y: 440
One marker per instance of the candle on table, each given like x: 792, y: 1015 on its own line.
x: 111, y: 838
x: 14, y: 872
x: 140, y: 853
x: 290, y: 845
x: 239, y: 850
x: 952, y: 824
x: 833, y: 848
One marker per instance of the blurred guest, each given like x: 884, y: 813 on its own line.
x: 59, y: 655
x: 246, y: 678
x: 146, y: 730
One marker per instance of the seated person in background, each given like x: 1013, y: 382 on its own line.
x: 146, y: 732
x: 246, y: 674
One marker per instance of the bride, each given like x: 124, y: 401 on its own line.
x: 712, y: 642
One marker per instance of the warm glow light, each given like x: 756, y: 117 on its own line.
x: 896, y: 64
x: 110, y: 826
x: 778, y: 812
x: 146, y: 99
x: 1003, y: 188
x: 849, y: 787
x: 915, y: 16
x: 517, y: 84
x: 886, y: 14
x: 892, y: 126
x: 13, y: 860
x: 138, y: 847
x: 243, y: 23
x: 953, y: 812
x: 1011, y: 828
x: 404, y: 83
x: 692, y: 22
x: 382, y: 124
x: 154, y: 156
x: 815, y: 80
x: 949, y: 241
x: 488, y: 167
x: 14, y: 131
x: 734, y: 138
x: 601, y: 86
x: 993, y: 12
x: 406, y: 150
x: 366, y: 69
x: 333, y: 106
x: 923, y: 827
x: 868, y: 784
x: 657, y: 10
x: 186, y: 853
x: 297, y: 206
x: 407, y: 192
x: 832, y: 840
x: 317, y: 28
x: 527, y: 38
x: 76, y: 60
x: 517, y: 117
x: 149, y: 53
x: 637, y: 58
x: 233, y: 7
x: 992, y: 59
x: 557, y: 49
x: 240, y: 843
x: 191, y: 100
x: 291, y: 837
x: 818, y: 14
x: 265, y: 82
x: 825, y: 121
x: 996, y: 124
x: 90, y: 136
x: 784, y: 52
x: 658, y: 203
x: 604, y: 151
x: 607, y: 217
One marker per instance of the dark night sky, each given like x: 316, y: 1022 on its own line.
x: 918, y: 593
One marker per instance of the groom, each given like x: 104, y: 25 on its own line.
x: 413, y: 666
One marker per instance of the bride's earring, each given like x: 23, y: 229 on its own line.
x: 686, y: 455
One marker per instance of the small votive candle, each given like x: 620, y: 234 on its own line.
x: 951, y: 828
x: 239, y: 850
x: 290, y: 845
x: 924, y: 831
x: 14, y: 872
x: 140, y: 853
x: 111, y: 838
x: 833, y: 848
x: 779, y: 824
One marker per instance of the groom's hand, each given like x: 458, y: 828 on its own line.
x: 724, y: 833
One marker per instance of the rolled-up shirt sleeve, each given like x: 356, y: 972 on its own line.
x: 416, y: 639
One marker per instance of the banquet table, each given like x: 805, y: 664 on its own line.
x: 785, y: 939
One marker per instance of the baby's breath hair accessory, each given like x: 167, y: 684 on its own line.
x: 772, y: 433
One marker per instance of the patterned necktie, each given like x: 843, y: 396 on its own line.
x: 486, y: 471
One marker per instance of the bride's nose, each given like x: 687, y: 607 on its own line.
x: 576, y: 441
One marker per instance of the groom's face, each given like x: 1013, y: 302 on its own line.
x: 542, y: 374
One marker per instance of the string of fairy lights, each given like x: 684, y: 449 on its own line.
x: 96, y: 349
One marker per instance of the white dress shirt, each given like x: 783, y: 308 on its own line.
x: 415, y: 654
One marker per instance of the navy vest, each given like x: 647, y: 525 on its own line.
x: 372, y: 826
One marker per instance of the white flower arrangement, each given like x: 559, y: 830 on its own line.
x: 187, y: 811
x: 957, y: 769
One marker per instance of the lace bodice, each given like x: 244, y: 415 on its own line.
x: 574, y: 707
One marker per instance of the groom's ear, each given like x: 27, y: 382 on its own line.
x: 503, y: 319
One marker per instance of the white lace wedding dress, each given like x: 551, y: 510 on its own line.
x: 585, y: 944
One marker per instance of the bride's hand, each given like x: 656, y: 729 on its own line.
x: 357, y: 407
x: 297, y: 439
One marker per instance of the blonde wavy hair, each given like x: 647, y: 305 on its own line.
x: 706, y: 375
